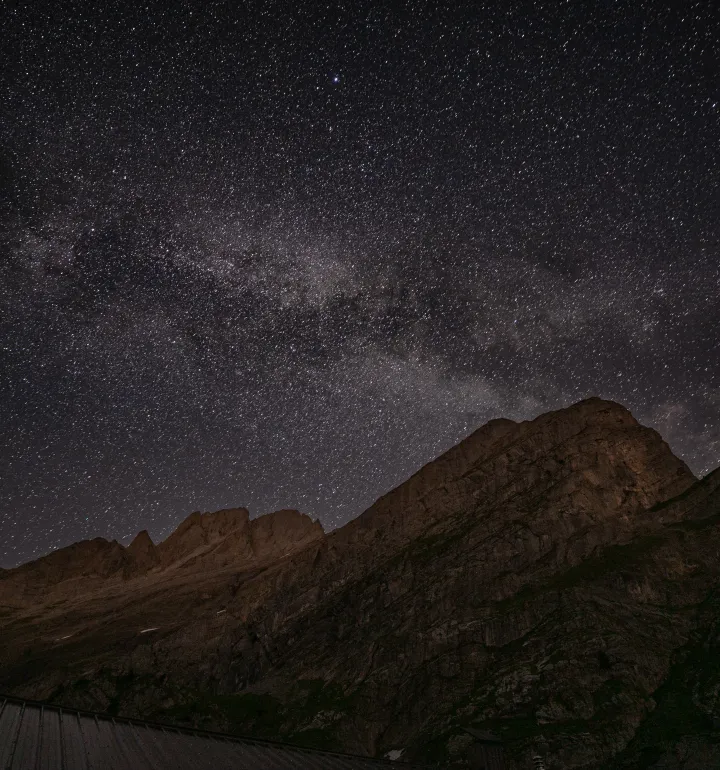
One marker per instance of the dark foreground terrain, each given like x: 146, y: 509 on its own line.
x: 555, y: 581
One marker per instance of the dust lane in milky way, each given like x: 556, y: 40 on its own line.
x: 281, y: 258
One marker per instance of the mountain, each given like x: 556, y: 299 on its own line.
x: 229, y: 537
x: 554, y: 581
x: 204, y: 541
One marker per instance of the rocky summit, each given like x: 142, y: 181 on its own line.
x: 554, y: 581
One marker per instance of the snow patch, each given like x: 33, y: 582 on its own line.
x: 395, y: 754
x: 148, y: 630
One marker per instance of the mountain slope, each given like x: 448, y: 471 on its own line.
x: 533, y: 580
x: 203, y: 542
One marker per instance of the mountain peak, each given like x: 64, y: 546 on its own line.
x: 591, y: 455
x: 200, y: 530
x: 228, y: 536
x: 142, y: 553
x: 596, y: 407
x: 534, y: 560
x: 141, y: 541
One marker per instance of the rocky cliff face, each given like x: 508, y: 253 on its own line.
x: 554, y: 581
x: 229, y: 537
x: 548, y: 481
x: 204, y: 541
x: 142, y: 554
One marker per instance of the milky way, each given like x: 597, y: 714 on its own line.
x: 278, y: 257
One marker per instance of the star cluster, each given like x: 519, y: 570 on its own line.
x: 279, y: 255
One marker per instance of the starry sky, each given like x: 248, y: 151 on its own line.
x: 280, y: 255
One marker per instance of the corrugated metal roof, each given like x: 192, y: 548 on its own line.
x: 39, y: 736
x: 484, y: 736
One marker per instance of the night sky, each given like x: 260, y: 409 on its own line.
x: 255, y: 254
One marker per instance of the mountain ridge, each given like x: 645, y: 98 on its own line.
x: 511, y: 584
x: 209, y: 540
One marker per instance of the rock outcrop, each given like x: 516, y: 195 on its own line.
x: 203, y: 541
x: 142, y: 555
x: 77, y: 568
x: 200, y: 532
x: 229, y: 537
x: 555, y: 581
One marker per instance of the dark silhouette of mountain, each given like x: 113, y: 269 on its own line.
x: 553, y: 581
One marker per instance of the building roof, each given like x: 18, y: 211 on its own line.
x: 41, y: 736
x: 483, y: 736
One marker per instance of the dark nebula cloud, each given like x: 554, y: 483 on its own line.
x: 279, y: 256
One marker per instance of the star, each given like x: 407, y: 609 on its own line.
x: 225, y: 284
